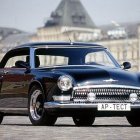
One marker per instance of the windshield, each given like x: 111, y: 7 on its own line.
x: 75, y: 56
x: 98, y: 58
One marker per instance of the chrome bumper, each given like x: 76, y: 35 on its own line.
x: 57, y: 105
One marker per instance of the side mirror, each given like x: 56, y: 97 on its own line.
x: 22, y: 64
x: 126, y: 65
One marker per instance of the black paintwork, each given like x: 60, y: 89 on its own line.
x: 95, y: 75
x: 15, y: 85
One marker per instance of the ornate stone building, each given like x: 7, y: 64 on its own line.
x: 70, y: 21
x: 126, y: 48
x: 11, y: 37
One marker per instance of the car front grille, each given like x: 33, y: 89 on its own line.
x: 105, y: 93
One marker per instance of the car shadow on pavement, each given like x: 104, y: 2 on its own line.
x: 16, y: 125
x: 67, y: 125
x: 63, y: 125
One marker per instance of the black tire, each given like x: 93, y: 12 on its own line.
x: 84, y: 120
x: 134, y: 120
x: 1, y: 118
x: 37, y: 114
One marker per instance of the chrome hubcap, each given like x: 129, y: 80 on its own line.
x: 36, y: 105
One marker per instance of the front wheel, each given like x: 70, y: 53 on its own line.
x: 1, y: 118
x: 37, y: 113
x: 134, y: 120
x: 84, y: 120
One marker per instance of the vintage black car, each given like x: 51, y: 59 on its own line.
x: 59, y: 79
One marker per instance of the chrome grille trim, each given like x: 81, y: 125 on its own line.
x: 107, y: 86
x: 105, y: 93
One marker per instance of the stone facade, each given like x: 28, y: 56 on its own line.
x: 65, y: 33
x: 125, y: 51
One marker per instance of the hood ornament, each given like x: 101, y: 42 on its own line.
x: 110, y: 80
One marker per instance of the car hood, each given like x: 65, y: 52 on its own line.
x: 96, y: 75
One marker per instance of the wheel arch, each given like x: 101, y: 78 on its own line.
x: 36, y: 83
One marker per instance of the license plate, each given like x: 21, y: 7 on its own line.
x: 114, y: 107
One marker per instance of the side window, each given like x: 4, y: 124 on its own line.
x: 11, y: 61
x: 49, y: 60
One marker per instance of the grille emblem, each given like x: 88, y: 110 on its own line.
x: 110, y: 80
x: 91, y: 97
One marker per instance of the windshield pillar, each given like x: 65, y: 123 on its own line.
x: 32, y: 57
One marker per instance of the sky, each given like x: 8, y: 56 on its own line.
x: 28, y: 15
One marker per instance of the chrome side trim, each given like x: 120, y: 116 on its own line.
x: 13, y: 109
x: 106, y: 86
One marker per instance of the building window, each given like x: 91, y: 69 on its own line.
x: 78, y: 19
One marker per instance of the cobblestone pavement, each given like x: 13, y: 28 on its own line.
x: 20, y: 128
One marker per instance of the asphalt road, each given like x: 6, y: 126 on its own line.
x: 20, y: 128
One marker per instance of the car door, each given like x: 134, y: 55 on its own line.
x: 14, y: 85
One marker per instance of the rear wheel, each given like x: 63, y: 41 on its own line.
x: 134, y: 120
x: 37, y: 113
x: 1, y: 118
x: 84, y: 120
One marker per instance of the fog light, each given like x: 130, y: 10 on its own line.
x: 61, y: 98
x: 91, y: 97
x: 133, y: 97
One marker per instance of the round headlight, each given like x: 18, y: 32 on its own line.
x: 64, y: 83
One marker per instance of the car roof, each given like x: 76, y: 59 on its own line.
x: 58, y: 44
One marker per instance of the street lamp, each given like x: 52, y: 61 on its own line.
x: 123, y: 33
